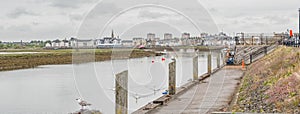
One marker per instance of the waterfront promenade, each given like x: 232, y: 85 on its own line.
x: 212, y: 94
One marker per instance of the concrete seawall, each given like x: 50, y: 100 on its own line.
x: 208, y: 94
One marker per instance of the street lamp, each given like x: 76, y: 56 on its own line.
x: 299, y: 27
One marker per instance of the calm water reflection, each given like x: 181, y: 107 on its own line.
x: 54, y: 88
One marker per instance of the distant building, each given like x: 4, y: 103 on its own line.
x: 109, y: 42
x: 139, y: 41
x: 156, y: 39
x: 65, y: 44
x: 127, y: 43
x: 89, y: 43
x: 203, y: 35
x: 48, y: 45
x: 99, y: 41
x: 150, y: 36
x: 82, y: 43
x: 168, y: 36
x: 56, y: 43
x: 186, y: 35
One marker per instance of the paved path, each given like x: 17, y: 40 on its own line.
x: 210, y: 95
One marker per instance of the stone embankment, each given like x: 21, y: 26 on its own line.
x: 271, y: 84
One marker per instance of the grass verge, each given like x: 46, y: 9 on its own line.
x: 272, y: 84
x: 22, y: 61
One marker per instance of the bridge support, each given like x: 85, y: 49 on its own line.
x: 121, y: 105
x: 172, y: 78
x: 209, y: 63
x: 195, y: 68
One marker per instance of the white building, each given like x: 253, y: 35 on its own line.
x: 139, y: 41
x: 127, y: 43
x: 186, y: 35
x: 150, y: 36
x: 168, y: 36
x: 64, y: 44
x: 56, y: 43
x: 82, y: 43
x: 48, y: 45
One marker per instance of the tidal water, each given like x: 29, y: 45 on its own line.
x: 54, y: 88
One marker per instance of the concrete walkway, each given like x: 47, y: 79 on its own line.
x: 209, y: 95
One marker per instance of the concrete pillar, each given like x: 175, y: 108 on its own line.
x: 195, y: 68
x: 218, y: 61
x: 172, y: 78
x: 121, y: 104
x: 209, y: 63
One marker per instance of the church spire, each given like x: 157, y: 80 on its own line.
x: 112, y: 34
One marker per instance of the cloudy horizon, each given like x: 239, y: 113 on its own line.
x: 51, y: 19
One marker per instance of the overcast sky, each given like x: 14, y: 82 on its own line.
x: 51, y: 19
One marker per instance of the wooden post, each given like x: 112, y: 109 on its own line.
x: 266, y: 50
x: 218, y: 61
x: 172, y: 78
x: 209, y: 63
x: 122, y: 93
x: 282, y: 38
x: 252, y: 40
x: 195, y: 68
x: 251, y: 58
x: 266, y: 40
x: 261, y: 39
x: 243, y: 35
x: 223, y: 58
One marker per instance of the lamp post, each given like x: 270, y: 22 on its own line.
x: 299, y: 28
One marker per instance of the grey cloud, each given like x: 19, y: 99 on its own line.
x: 20, y: 12
x: 213, y: 10
x: 62, y: 3
x: 20, y: 28
x: 278, y: 19
x: 102, y: 11
x: 35, y: 23
x: 152, y: 15
x: 268, y: 19
x: 68, y: 3
x: 76, y: 17
x: 106, y: 8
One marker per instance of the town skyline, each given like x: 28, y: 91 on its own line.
x: 160, y: 36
